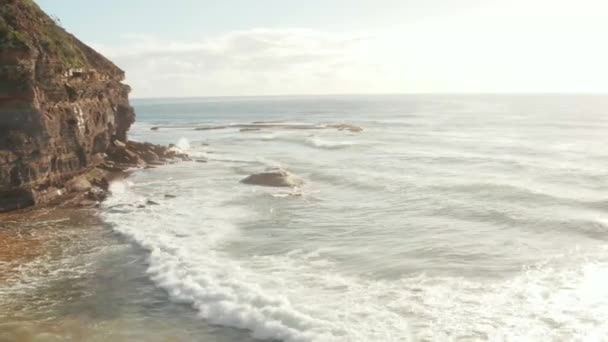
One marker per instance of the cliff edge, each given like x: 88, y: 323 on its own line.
x: 63, y: 109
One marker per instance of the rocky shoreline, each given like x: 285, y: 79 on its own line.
x: 64, y: 116
x: 92, y: 187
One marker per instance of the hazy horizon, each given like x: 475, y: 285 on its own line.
x: 505, y: 94
x: 273, y: 48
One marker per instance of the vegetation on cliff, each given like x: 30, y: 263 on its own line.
x: 25, y: 28
x: 17, y: 32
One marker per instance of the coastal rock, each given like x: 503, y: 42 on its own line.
x: 119, y: 154
x: 61, y: 106
x: 97, y: 194
x: 346, y: 127
x: 79, y: 184
x: 257, y: 126
x: 64, y: 115
x: 276, y: 177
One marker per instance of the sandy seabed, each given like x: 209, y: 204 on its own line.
x: 66, y: 276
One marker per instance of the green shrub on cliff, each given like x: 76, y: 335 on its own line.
x: 59, y: 44
x: 10, y: 38
x: 19, y: 31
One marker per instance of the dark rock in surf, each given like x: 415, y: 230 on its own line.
x: 273, y: 178
x: 347, y: 127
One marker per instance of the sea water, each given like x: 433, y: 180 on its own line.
x: 448, y: 218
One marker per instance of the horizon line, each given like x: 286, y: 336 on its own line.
x: 380, y: 94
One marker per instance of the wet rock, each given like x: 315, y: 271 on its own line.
x: 118, y: 153
x: 97, y: 194
x: 209, y: 128
x: 273, y: 177
x: 150, y: 202
x: 137, y: 154
x: 111, y: 167
x: 87, y: 203
x: 79, y: 184
x: 119, y: 144
x: 16, y: 199
x: 347, y: 127
x: 150, y: 157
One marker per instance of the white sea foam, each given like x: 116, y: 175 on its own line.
x: 186, y: 237
x: 305, y: 138
x: 302, y: 296
x: 183, y: 144
x: 415, y: 232
x: 328, y: 144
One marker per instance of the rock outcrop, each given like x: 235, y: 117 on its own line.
x: 271, y: 125
x: 275, y: 177
x: 63, y: 110
x: 346, y: 127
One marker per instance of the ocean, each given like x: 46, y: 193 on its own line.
x: 448, y: 218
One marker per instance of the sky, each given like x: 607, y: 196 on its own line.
x: 188, y: 48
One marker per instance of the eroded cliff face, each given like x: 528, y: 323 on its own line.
x: 61, y: 106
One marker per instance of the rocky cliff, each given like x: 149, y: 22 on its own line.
x: 62, y: 107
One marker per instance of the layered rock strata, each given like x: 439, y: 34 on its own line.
x: 63, y: 111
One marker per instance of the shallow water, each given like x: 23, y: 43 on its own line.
x: 65, y: 276
x: 450, y: 218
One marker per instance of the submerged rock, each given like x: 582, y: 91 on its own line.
x: 346, y: 127
x: 273, y: 177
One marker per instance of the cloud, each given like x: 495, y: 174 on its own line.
x: 252, y: 62
x: 504, y: 46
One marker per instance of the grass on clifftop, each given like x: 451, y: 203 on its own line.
x: 23, y: 25
x: 9, y: 38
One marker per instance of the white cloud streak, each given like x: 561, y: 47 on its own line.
x: 515, y: 46
x: 253, y: 62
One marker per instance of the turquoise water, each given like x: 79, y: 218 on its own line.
x: 449, y: 218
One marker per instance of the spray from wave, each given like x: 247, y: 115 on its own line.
x: 267, y: 295
x: 328, y: 144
